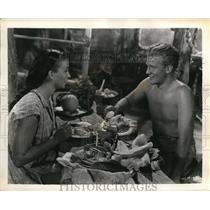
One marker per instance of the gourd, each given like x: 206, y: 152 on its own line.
x: 70, y: 103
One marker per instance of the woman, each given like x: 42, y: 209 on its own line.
x: 33, y: 134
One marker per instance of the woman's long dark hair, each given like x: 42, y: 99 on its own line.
x: 43, y: 63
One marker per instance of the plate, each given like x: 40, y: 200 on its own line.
x: 71, y: 116
x: 81, y: 137
x: 78, y: 112
x: 112, y: 94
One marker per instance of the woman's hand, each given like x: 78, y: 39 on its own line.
x: 64, y: 132
x: 24, y: 151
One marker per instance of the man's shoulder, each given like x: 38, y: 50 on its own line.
x: 182, y: 87
x: 183, y: 91
x: 145, y: 84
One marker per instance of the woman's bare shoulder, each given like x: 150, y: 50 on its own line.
x: 28, y: 105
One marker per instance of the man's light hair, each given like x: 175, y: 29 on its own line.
x: 168, y: 52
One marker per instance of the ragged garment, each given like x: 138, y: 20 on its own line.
x: 167, y: 146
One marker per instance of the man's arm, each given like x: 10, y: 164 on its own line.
x: 135, y: 96
x: 185, y: 130
x: 24, y: 151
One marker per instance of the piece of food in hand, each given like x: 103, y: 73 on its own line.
x: 108, y: 109
x: 136, y: 151
x: 109, y: 115
x: 70, y: 103
x: 140, y: 140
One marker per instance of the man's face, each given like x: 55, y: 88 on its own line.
x: 156, y: 70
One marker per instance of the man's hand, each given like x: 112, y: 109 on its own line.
x: 109, y: 108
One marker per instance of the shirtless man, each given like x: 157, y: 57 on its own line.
x: 171, y: 109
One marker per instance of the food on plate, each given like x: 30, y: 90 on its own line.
x: 80, y: 131
x: 106, y: 93
x: 70, y: 103
x: 109, y: 93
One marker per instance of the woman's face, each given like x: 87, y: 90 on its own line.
x: 61, y: 75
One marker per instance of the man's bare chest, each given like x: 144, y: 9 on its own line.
x: 162, y: 105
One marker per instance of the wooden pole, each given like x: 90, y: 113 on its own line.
x: 182, y: 44
x: 17, y: 36
x: 86, y: 53
x: 12, y: 67
x: 65, y: 34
